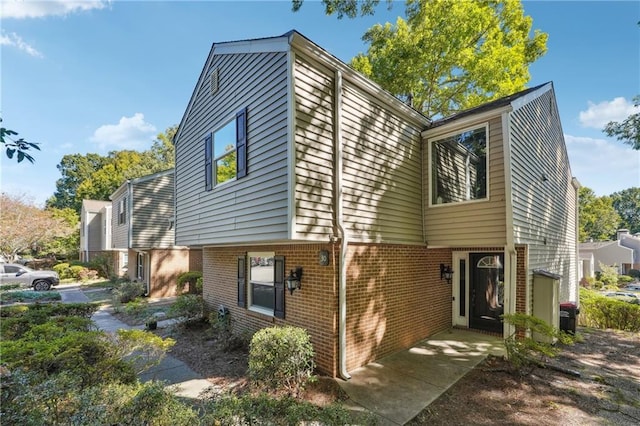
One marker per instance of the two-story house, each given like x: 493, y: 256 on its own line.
x: 322, y: 201
x: 143, y: 225
x: 95, y: 236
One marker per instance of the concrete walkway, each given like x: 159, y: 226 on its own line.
x: 400, y: 386
x: 395, y: 388
x: 186, y: 382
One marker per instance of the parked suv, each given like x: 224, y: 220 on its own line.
x: 12, y: 273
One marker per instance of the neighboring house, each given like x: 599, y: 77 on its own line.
x: 142, y: 217
x: 624, y: 254
x: 287, y: 158
x: 95, y: 235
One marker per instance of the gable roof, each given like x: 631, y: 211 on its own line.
x: 94, y: 205
x: 283, y: 43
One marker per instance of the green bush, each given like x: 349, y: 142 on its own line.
x: 634, y: 273
x: 191, y: 279
x: 625, y: 279
x: 607, y: 312
x: 227, y: 335
x: 188, y: 306
x: 17, y: 320
x: 32, y: 296
x: 136, y: 307
x: 281, y: 358
x: 263, y: 409
x: 63, y: 270
x: 128, y: 291
x: 525, y: 353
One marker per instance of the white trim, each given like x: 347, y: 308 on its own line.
x: 153, y: 176
x: 457, y: 319
x: 265, y: 45
x: 511, y: 255
x: 249, y: 284
x: 453, y: 132
x: 469, y: 121
x: 523, y: 100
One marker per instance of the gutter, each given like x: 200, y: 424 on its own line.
x: 344, y: 238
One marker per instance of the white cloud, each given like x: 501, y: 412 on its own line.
x: 13, y: 39
x: 598, y: 115
x: 21, y: 9
x: 604, y: 166
x: 130, y: 133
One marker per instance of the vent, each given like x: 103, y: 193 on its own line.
x: 214, y: 81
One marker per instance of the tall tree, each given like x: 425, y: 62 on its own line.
x: 69, y: 244
x: 450, y: 55
x: 75, y: 169
x: 627, y: 131
x: 627, y: 204
x: 598, y: 219
x: 24, y: 226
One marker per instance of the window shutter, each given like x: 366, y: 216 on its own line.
x: 242, y: 282
x: 208, y: 162
x: 278, y: 307
x: 241, y: 143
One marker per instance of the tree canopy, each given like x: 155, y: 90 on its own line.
x: 92, y: 176
x: 598, y: 219
x: 627, y: 131
x: 23, y: 226
x: 627, y: 204
x: 451, y: 55
x: 342, y: 8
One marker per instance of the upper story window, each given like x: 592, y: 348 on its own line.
x: 122, y: 211
x: 226, y: 152
x: 459, y: 167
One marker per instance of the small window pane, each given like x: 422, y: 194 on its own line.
x: 226, y: 167
x: 224, y: 138
x: 459, y: 167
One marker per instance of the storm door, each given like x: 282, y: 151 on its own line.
x: 486, y: 291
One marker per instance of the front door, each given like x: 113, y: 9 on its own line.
x: 486, y: 291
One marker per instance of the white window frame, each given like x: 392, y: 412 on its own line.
x: 431, y: 141
x: 250, y: 281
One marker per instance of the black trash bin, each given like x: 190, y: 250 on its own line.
x: 568, y: 313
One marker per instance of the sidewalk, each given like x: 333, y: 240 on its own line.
x: 172, y: 371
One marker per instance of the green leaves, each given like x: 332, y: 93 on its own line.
x: 19, y: 146
x: 450, y: 55
x: 627, y: 131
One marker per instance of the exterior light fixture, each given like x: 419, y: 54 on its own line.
x: 446, y: 273
x: 294, y: 278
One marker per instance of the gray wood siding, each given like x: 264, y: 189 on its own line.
x: 314, y: 177
x: 119, y: 231
x: 543, y: 210
x: 382, y: 172
x: 469, y: 223
x: 152, y: 208
x: 381, y: 163
x: 253, y: 208
x: 94, y: 221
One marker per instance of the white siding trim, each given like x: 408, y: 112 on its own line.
x: 266, y: 45
x: 467, y: 121
x: 524, y: 100
x: 291, y: 145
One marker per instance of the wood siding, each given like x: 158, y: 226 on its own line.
x: 152, y: 201
x: 253, y: 208
x: 94, y: 229
x: 381, y: 162
x: 481, y: 222
x: 119, y: 231
x: 544, y: 200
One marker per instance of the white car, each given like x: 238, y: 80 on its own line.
x: 12, y: 273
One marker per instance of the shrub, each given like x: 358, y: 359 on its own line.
x: 281, y: 358
x: 188, y: 306
x: 142, y: 349
x: 21, y: 296
x: 525, y: 353
x: 625, y: 279
x: 103, y: 264
x: 606, y: 312
x: 136, y: 307
x: 87, y: 274
x: 128, y: 291
x: 634, y: 273
x: 229, y: 338
x: 63, y: 270
x: 189, y: 278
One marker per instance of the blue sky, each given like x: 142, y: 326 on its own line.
x: 84, y: 76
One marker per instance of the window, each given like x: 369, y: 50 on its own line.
x: 226, y: 152
x: 263, y: 291
x: 140, y: 265
x: 122, y: 211
x: 459, y: 167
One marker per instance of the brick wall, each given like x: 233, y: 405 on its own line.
x: 165, y: 265
x: 195, y: 260
x: 394, y: 296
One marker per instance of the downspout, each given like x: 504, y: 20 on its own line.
x: 512, y: 265
x: 578, y: 264
x: 344, y: 243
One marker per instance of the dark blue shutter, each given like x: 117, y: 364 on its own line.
x: 241, y: 143
x: 242, y: 282
x: 208, y: 162
x: 278, y: 306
